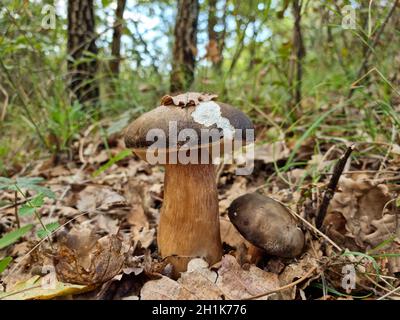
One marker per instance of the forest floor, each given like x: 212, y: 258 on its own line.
x: 103, y: 218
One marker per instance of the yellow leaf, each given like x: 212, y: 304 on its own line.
x: 32, y: 289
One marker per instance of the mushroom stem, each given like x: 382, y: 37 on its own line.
x: 189, y: 221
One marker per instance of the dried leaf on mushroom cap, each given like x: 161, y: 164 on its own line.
x: 187, y: 99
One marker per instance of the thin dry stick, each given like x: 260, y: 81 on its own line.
x: 380, y: 286
x: 309, y: 273
x: 373, y: 45
x: 389, y: 293
x: 330, y: 191
x: 20, y: 291
x: 389, y: 150
x: 12, y: 205
x: 5, y: 103
x: 16, y: 209
x: 323, y: 235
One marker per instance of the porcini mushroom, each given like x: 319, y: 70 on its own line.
x: 267, y: 224
x: 189, y: 219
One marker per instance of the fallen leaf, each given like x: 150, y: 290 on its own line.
x: 187, y: 99
x: 84, y: 258
x: 271, y: 152
x: 94, y: 198
x: 199, y: 282
x: 33, y: 289
x: 368, y: 219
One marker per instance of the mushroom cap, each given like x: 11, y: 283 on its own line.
x: 267, y: 224
x: 198, y: 113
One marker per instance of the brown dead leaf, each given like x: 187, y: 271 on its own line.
x: 187, y: 99
x: 106, y: 223
x: 238, y: 188
x: 230, y: 235
x: 271, y: 152
x: 143, y: 235
x: 84, y: 258
x: 363, y: 210
x: 237, y: 283
x: 165, y: 289
x: 94, y: 198
x: 295, y: 271
x: 199, y: 282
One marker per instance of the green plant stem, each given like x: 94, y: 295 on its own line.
x: 37, y: 214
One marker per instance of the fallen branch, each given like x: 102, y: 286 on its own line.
x: 330, y: 191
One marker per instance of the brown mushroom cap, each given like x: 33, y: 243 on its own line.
x: 162, y: 116
x: 267, y: 224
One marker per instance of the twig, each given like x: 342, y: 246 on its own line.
x: 309, y: 273
x: 389, y: 293
x: 16, y: 209
x: 373, y: 45
x: 5, y: 103
x: 329, y: 193
x: 323, y: 235
x: 12, y: 205
x: 19, y: 291
x: 389, y: 150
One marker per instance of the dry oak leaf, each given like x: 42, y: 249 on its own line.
x: 84, y: 258
x: 188, y: 99
x: 368, y: 219
x: 237, y: 283
x: 199, y: 282
x: 94, y: 198
x: 295, y: 271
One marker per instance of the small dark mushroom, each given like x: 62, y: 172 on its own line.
x: 267, y: 224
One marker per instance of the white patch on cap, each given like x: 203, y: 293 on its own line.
x: 228, y: 129
x: 209, y: 113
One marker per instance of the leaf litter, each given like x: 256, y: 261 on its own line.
x: 106, y: 245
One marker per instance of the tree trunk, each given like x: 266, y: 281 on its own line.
x: 116, y: 40
x: 213, y: 47
x: 297, y: 55
x: 82, y: 66
x: 185, y: 46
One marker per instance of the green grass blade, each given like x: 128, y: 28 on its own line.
x: 4, y: 263
x: 120, y: 156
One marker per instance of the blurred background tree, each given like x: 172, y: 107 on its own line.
x: 288, y: 64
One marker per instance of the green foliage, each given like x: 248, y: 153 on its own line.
x: 50, y: 227
x: 26, y: 183
x: 31, y: 206
x: 120, y: 156
x: 4, y: 263
x: 13, y: 236
x: 256, y: 72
